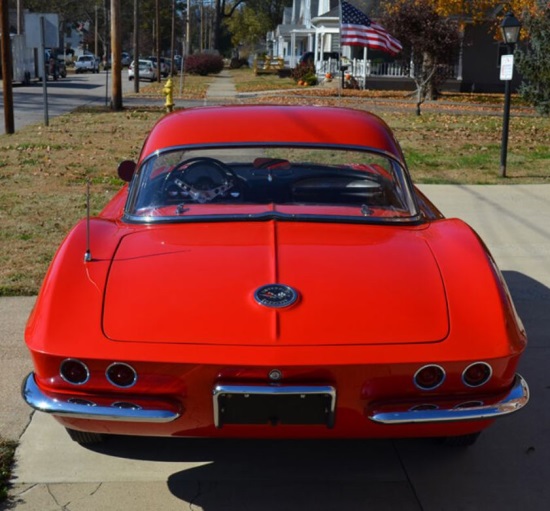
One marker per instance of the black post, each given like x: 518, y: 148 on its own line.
x: 5, y: 52
x: 505, y: 124
x: 510, y: 28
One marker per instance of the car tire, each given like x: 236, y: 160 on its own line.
x: 84, y: 437
x: 460, y: 441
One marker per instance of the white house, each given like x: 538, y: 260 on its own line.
x: 307, y: 26
x: 313, y: 27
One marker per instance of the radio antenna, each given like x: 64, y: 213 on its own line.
x: 88, y: 253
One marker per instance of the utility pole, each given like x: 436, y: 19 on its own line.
x: 116, y: 56
x: 106, y: 27
x: 157, y: 38
x: 173, y: 38
x: 136, y: 46
x: 96, y: 33
x: 188, y: 29
x: 19, y: 17
x: 9, y: 122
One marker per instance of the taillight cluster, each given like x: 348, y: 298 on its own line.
x: 431, y: 376
x: 477, y: 374
x: 74, y: 371
x: 118, y: 374
x: 121, y: 375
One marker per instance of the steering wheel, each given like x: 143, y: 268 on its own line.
x: 200, y: 179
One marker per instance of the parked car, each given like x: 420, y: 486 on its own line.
x: 178, y: 62
x: 164, y: 66
x: 85, y: 63
x: 126, y: 59
x: 54, y: 64
x: 272, y: 272
x: 147, y: 70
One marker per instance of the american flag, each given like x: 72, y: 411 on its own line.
x: 358, y: 30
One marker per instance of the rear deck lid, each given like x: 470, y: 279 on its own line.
x: 195, y: 283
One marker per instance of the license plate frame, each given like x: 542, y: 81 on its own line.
x: 274, y: 405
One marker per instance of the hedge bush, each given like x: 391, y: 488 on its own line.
x: 203, y: 64
x: 305, y: 73
x: 238, y: 63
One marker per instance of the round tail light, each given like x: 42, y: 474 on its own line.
x: 429, y: 377
x: 74, y: 371
x: 121, y: 375
x: 477, y: 374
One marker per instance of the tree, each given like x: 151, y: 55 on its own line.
x: 70, y: 9
x: 267, y: 15
x: 485, y: 10
x: 476, y: 9
x: 533, y: 61
x: 222, y: 9
x: 247, y: 26
x: 430, y: 42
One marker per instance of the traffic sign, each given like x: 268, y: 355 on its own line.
x: 506, y: 67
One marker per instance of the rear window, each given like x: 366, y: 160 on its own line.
x: 292, y: 181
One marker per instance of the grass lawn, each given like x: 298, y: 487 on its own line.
x: 7, y: 450
x: 43, y: 170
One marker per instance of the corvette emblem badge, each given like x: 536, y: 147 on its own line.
x: 275, y: 295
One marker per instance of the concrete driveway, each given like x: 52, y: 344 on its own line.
x: 507, y: 469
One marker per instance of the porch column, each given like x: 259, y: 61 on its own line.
x: 365, y: 64
x: 317, y: 48
x: 293, y: 49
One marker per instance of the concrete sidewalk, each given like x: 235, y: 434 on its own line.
x: 222, y: 88
x: 507, y: 469
x: 14, y: 362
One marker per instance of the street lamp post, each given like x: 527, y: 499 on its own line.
x: 510, y: 28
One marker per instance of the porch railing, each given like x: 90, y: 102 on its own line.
x: 356, y: 68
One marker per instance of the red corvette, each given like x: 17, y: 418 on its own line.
x: 272, y: 272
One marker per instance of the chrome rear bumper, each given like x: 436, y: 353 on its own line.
x: 84, y: 409
x: 162, y: 412
x: 516, y: 398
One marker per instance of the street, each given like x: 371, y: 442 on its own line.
x: 63, y: 95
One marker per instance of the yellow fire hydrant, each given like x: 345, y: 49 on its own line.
x: 168, y: 91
